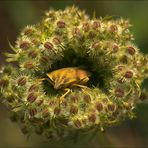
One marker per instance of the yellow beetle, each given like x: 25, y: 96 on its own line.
x: 65, y: 78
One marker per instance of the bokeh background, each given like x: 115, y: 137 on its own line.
x: 16, y: 14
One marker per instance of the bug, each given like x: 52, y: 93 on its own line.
x: 66, y: 78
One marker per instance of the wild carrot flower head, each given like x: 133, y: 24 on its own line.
x: 69, y: 38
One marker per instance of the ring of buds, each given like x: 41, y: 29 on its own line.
x: 69, y: 38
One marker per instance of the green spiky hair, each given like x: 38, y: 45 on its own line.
x: 69, y: 38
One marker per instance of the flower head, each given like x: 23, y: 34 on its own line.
x: 67, y: 39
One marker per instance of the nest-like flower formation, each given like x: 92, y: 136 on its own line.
x: 69, y: 38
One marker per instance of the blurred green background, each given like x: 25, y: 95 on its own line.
x: 15, y: 15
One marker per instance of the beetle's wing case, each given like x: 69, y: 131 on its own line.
x: 82, y: 73
x: 63, y: 76
x: 68, y: 76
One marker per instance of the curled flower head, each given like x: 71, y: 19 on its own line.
x: 73, y: 73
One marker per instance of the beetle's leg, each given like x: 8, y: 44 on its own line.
x: 40, y: 79
x: 81, y: 82
x: 47, y: 79
x: 62, y: 97
x: 81, y: 86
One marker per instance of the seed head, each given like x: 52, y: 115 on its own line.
x: 131, y: 50
x: 86, y: 27
x: 111, y: 107
x: 76, y: 32
x: 128, y: 74
x: 115, y: 48
x: 77, y: 123
x: 61, y: 24
x: 74, y: 98
x: 22, y: 81
x: 4, y: 83
x: 32, y: 112
x: 113, y: 28
x: 24, y: 45
x: 39, y: 102
x: 31, y: 97
x: 92, y: 117
x: 29, y: 65
x: 87, y: 98
x: 56, y: 40
x: 57, y: 111
x: 121, y: 67
x: 73, y: 110
x: 48, y: 45
x: 33, y: 88
x: 46, y: 113
x: 29, y: 30
x: 44, y: 59
x: 52, y: 103
x: 99, y: 106
x: 119, y: 92
x: 33, y: 54
x: 96, y: 25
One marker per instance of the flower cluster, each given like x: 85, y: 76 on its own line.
x: 69, y: 38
